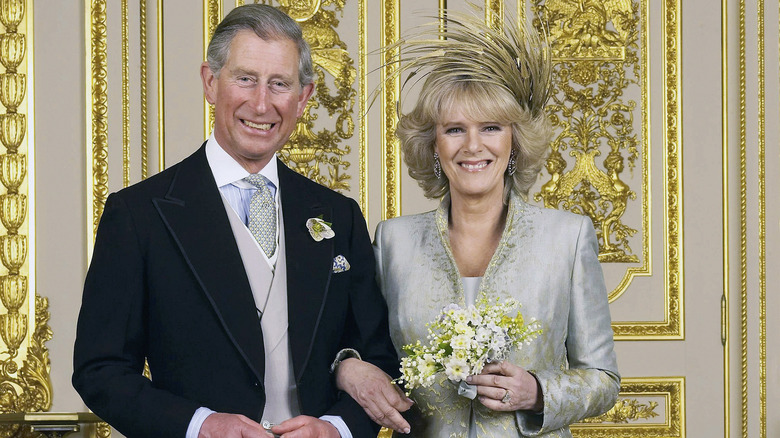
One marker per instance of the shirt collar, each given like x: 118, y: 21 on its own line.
x: 226, y: 170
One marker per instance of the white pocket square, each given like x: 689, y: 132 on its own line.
x: 340, y: 264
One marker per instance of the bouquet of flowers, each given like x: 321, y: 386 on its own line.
x: 462, y: 340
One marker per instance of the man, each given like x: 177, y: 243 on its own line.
x: 209, y: 272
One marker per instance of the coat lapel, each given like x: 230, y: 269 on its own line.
x: 196, y: 218
x: 309, y: 264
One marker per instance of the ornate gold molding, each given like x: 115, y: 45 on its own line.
x: 144, y: 98
x: 160, y: 88
x: 761, y: 224
x: 726, y: 296
x: 743, y: 214
x: 638, y: 414
x: 494, y: 12
x: 212, y: 15
x: 125, y: 96
x: 363, y: 91
x: 96, y: 115
x: 25, y: 385
x: 391, y: 154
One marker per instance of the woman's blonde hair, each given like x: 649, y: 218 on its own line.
x: 480, y: 101
x: 497, y: 74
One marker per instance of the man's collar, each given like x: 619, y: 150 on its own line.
x: 226, y: 170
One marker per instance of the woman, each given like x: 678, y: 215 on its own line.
x: 476, y: 139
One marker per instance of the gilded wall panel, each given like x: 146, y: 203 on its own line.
x: 646, y: 407
x: 25, y: 384
x: 600, y: 156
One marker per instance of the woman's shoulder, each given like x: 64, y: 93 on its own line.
x: 408, y: 221
x: 405, y: 230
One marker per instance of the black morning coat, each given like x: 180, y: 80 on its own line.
x: 167, y: 283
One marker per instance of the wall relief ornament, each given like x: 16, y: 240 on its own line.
x: 25, y: 385
x: 595, y: 51
x: 319, y: 154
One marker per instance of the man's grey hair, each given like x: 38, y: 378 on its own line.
x: 267, y: 23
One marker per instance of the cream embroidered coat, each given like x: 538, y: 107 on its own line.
x: 548, y: 260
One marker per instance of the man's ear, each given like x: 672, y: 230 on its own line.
x: 209, y: 83
x: 303, y: 98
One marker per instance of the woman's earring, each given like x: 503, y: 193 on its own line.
x: 436, y: 165
x: 512, y: 166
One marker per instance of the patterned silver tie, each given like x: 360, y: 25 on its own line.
x: 262, y: 214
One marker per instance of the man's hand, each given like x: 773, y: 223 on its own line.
x: 374, y: 390
x: 218, y: 425
x: 304, y: 426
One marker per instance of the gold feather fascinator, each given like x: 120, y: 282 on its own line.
x: 461, y: 46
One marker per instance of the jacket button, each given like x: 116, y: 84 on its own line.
x: 256, y: 384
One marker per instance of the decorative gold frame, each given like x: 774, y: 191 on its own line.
x: 673, y: 324
x: 624, y: 420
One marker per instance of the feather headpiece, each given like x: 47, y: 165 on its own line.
x: 466, y: 48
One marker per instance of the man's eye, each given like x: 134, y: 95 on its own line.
x: 280, y: 85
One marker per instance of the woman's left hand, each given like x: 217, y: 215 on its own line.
x: 503, y: 386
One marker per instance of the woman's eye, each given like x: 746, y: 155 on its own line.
x: 493, y: 128
x: 453, y: 130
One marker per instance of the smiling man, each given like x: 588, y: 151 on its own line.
x: 209, y: 272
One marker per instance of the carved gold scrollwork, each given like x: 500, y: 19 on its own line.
x: 594, y: 44
x: 27, y: 387
x: 625, y: 411
x: 320, y: 155
x: 637, y: 414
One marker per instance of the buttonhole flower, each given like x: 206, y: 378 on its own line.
x: 319, y: 229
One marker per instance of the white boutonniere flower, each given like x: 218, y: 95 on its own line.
x: 319, y: 229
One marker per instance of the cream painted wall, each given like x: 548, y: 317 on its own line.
x: 60, y: 186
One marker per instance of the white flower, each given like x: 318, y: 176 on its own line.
x: 427, y: 366
x: 457, y: 369
x: 319, y: 229
x: 483, y: 335
x: 461, y: 342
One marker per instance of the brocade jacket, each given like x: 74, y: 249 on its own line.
x: 546, y: 259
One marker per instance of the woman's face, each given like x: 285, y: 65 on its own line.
x: 473, y: 154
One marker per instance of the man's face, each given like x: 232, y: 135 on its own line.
x: 257, y: 98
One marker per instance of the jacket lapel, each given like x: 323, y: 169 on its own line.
x: 309, y: 264
x: 196, y: 218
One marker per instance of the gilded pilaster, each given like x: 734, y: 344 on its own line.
x: 391, y: 155
x: 24, y: 362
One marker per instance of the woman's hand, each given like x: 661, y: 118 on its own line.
x: 505, y: 387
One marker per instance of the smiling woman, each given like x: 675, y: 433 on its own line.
x: 476, y: 139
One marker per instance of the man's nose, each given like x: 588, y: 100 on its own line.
x: 260, y: 99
